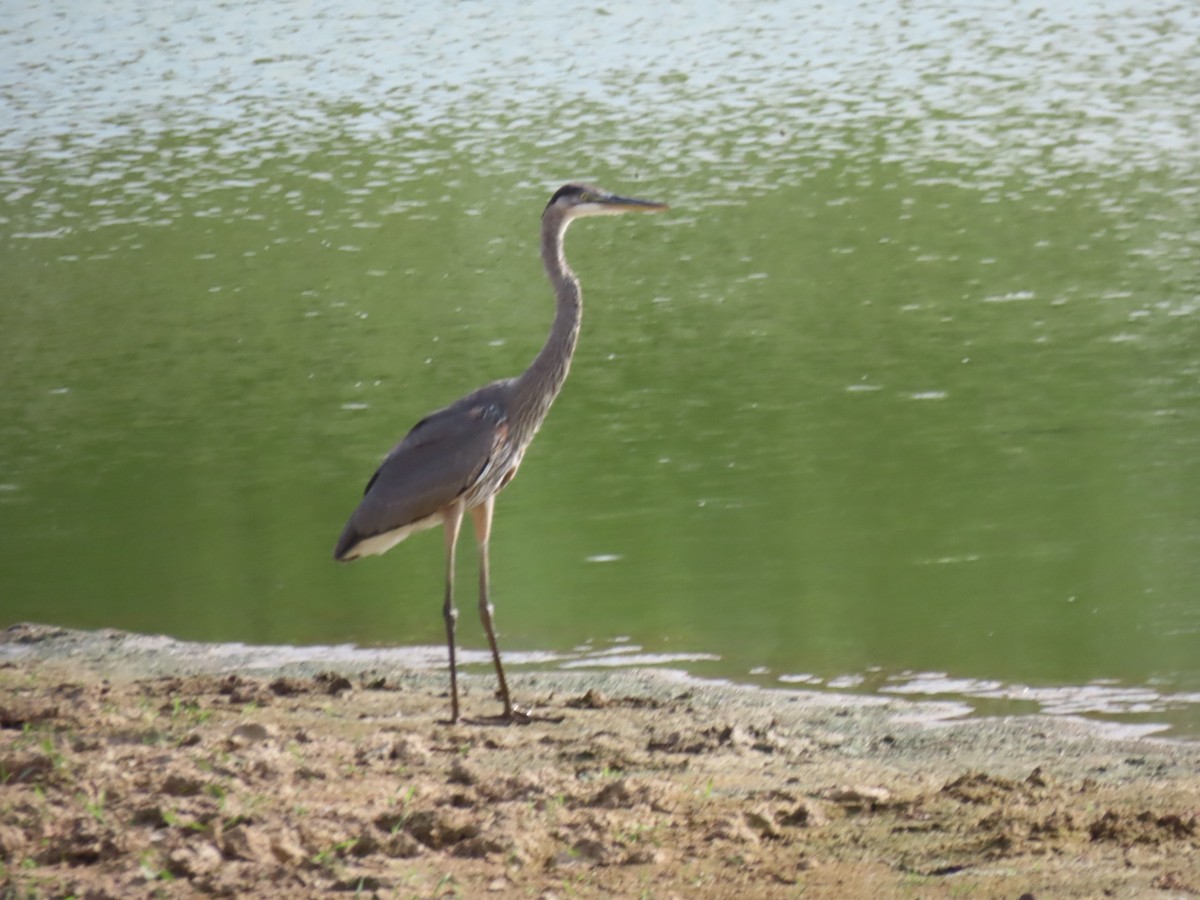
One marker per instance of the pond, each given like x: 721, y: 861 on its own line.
x: 903, y: 394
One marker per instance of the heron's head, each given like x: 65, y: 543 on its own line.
x: 573, y: 201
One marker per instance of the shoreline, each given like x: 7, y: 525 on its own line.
x: 293, y: 771
x: 127, y: 654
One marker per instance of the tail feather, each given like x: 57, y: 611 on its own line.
x: 343, y: 552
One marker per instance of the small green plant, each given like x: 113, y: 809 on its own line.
x: 189, y: 710
x: 217, y: 792
x: 402, y: 802
x: 57, y: 758
x: 637, y: 834
x: 151, y: 869
x: 94, y: 807
x: 174, y: 821
x: 329, y: 853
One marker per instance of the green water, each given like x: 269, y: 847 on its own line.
x: 903, y: 395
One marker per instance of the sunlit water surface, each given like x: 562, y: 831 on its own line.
x: 902, y: 396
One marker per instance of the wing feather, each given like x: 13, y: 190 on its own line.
x: 437, y: 461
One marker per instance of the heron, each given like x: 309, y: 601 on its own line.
x: 457, y: 459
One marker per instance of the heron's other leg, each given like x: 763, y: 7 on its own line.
x: 482, y: 516
x: 451, y: 521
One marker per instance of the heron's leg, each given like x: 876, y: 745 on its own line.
x: 482, y: 516
x: 451, y: 522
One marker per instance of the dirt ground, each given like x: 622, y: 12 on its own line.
x: 132, y: 770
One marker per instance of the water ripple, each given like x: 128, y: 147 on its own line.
x: 1011, y: 87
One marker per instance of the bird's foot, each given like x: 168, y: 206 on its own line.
x: 454, y: 719
x: 518, y: 716
x: 514, y: 715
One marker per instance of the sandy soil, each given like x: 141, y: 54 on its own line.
x: 136, y: 767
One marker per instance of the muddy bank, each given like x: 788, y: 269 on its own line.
x: 138, y: 766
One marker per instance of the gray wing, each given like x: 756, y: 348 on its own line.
x: 439, y: 459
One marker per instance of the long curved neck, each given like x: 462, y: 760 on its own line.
x: 537, y: 387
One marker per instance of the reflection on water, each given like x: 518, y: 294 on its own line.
x: 906, y: 383
x: 748, y: 94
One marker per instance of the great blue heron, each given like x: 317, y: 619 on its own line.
x: 458, y: 458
